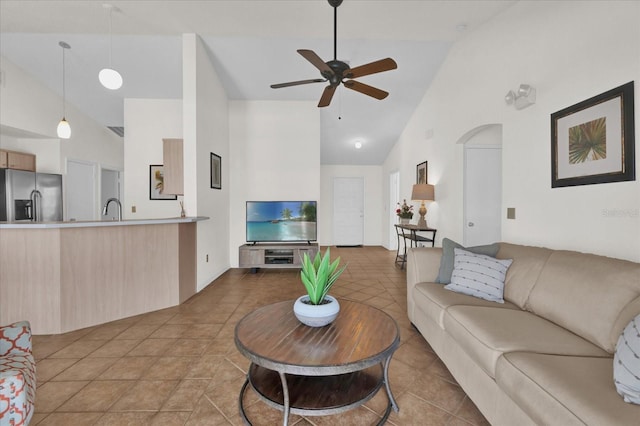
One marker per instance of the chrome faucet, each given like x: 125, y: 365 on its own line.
x: 106, y: 207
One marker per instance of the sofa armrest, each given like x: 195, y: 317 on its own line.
x: 15, y: 339
x: 423, y: 264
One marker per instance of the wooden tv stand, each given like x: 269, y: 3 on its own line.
x: 281, y: 255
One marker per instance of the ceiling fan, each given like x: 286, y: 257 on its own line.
x: 336, y: 72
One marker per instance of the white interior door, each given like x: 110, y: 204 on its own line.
x: 482, y: 195
x: 80, y: 190
x: 109, y: 188
x: 348, y: 211
x: 394, y: 196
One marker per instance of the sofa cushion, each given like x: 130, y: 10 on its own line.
x: 564, y: 390
x: 478, y: 275
x: 572, y: 287
x: 626, y: 363
x: 523, y: 272
x: 447, y: 260
x: 433, y: 300
x: 487, y: 332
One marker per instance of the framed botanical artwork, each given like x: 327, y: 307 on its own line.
x: 593, y: 141
x: 421, y: 173
x: 216, y: 171
x: 156, y: 183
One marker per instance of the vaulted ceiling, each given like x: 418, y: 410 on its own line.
x: 252, y: 44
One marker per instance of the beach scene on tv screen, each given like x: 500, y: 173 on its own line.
x: 281, y: 221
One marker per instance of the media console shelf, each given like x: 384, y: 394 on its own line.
x: 275, y: 255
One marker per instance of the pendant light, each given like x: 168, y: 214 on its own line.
x: 110, y: 78
x: 64, y: 130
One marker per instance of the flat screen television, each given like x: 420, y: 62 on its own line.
x: 281, y: 221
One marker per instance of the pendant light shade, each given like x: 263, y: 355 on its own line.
x: 110, y: 78
x: 64, y: 130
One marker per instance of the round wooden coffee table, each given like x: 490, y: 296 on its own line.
x: 317, y: 371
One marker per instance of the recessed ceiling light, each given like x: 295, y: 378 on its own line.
x: 358, y: 143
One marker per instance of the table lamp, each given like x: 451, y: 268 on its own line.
x: 423, y: 192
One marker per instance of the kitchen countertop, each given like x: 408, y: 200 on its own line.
x: 88, y: 224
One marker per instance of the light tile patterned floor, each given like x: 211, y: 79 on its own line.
x: 179, y: 366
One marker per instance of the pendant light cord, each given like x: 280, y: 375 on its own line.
x: 64, y: 89
x: 110, y: 38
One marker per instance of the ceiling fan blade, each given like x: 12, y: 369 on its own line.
x: 317, y: 62
x: 297, y: 83
x: 366, y: 89
x: 325, y: 99
x: 372, y: 68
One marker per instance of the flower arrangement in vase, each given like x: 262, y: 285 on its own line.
x: 404, y: 212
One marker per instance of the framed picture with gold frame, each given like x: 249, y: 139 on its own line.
x: 593, y: 141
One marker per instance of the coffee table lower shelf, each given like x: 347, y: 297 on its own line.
x: 315, y: 395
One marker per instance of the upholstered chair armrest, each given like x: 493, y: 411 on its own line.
x: 15, y: 339
x: 423, y: 264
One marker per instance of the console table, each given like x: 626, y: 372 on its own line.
x: 317, y: 371
x: 256, y: 256
x: 410, y: 233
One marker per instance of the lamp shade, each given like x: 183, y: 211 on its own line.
x: 64, y: 130
x: 423, y: 192
x: 110, y: 78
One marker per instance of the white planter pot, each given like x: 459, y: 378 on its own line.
x: 316, y: 315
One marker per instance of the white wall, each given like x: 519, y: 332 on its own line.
x: 29, y: 107
x: 47, y: 151
x: 206, y: 130
x: 544, y: 44
x: 146, y: 122
x: 274, y: 155
x: 373, y: 206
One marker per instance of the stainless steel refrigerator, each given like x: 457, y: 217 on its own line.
x: 29, y: 196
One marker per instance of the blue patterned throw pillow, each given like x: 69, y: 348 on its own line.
x: 479, y: 275
x: 626, y: 363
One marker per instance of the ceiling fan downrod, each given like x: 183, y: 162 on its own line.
x: 335, y: 4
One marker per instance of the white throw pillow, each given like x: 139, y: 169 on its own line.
x: 626, y: 363
x: 479, y: 275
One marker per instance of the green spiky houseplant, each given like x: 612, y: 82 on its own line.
x: 318, y: 276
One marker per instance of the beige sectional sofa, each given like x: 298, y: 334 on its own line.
x: 543, y: 357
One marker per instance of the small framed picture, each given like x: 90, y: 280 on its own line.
x: 593, y: 141
x: 156, y: 183
x: 216, y: 171
x: 421, y: 173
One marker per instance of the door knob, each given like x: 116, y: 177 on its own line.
x: 470, y: 224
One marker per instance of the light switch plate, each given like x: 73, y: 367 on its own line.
x: 511, y: 212
x: 133, y: 209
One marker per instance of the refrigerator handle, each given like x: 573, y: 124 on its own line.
x: 35, y: 205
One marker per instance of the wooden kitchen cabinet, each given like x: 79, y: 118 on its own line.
x: 17, y: 160
x: 172, y: 153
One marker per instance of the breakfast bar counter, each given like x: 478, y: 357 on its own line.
x: 64, y: 276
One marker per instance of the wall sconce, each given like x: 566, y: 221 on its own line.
x: 524, y: 97
x: 423, y: 192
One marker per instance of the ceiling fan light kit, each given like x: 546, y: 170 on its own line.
x: 338, y: 72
